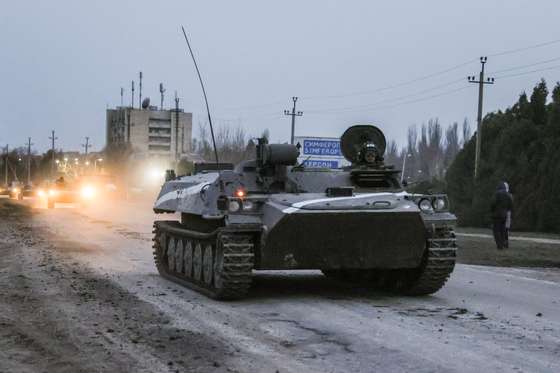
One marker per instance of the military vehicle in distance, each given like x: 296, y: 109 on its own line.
x: 356, y: 223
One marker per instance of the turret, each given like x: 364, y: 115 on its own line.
x: 364, y: 146
x: 271, y: 163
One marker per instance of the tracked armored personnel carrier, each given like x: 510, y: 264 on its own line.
x: 356, y: 224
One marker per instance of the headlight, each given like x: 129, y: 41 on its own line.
x: 16, y: 190
x: 52, y: 192
x: 41, y: 193
x: 88, y: 192
x: 248, y: 205
x: 439, y: 204
x: 155, y: 174
x: 234, y: 206
x: 425, y: 205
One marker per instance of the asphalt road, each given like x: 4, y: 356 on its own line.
x: 90, y: 299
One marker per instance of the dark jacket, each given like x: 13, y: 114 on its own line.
x: 502, y: 203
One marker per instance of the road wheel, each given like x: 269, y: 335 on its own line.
x: 188, y: 259
x: 208, y: 265
x: 179, y: 252
x: 197, y: 262
x: 171, y: 254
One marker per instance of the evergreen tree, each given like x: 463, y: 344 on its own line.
x: 521, y: 146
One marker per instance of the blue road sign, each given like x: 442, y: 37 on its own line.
x: 321, y: 147
x: 320, y: 163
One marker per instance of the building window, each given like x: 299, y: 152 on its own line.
x: 160, y: 148
x: 158, y: 139
x: 160, y: 131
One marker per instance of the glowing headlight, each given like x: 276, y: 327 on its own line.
x: 425, y: 205
x: 439, y: 204
x: 234, y: 206
x: 240, y: 193
x: 52, y: 192
x: 156, y: 174
x: 41, y: 193
x: 248, y: 205
x: 16, y: 190
x: 88, y: 192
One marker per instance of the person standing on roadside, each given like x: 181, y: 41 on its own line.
x: 501, y: 208
x: 508, y: 218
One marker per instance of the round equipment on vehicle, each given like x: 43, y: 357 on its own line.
x: 355, y: 137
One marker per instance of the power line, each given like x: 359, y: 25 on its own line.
x: 350, y: 108
x: 275, y: 103
x: 528, y: 72
x: 522, y: 49
x: 376, y: 107
x: 407, y: 102
x: 519, y: 67
x: 408, y: 82
x: 394, y: 85
x: 361, y: 93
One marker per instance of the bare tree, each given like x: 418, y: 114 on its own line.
x: 452, y: 145
x: 232, y: 143
x: 466, y: 132
x: 392, y: 156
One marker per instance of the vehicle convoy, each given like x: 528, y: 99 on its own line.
x: 66, y: 191
x: 16, y: 190
x: 356, y: 223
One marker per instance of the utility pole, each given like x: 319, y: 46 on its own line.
x: 161, y: 91
x: 6, y: 164
x: 176, y: 128
x: 53, y: 138
x: 29, y: 160
x: 132, y: 96
x: 140, y: 92
x: 481, y: 82
x: 86, y: 145
x: 122, y: 96
x: 293, y: 114
x: 128, y: 126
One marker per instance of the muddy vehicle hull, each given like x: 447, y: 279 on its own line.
x: 317, y: 240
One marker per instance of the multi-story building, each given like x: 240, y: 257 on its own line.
x: 151, y: 133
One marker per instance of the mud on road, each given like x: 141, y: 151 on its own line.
x: 56, y: 315
x: 79, y: 293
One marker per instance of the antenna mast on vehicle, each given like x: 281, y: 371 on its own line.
x: 205, y: 100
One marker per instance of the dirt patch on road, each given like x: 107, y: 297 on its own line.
x: 57, y: 315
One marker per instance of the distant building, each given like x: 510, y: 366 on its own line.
x: 151, y: 133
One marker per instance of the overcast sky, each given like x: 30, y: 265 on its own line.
x: 63, y: 61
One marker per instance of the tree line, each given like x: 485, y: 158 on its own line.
x: 16, y: 159
x: 521, y: 146
x: 233, y: 144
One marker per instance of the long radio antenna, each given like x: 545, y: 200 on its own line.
x: 205, y: 100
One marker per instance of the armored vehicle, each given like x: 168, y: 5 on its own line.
x: 67, y: 191
x: 271, y: 213
x: 16, y: 190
